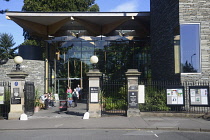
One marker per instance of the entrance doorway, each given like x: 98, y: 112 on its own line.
x: 116, y: 55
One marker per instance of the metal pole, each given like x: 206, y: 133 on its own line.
x: 55, y: 75
x: 46, y: 75
x: 81, y: 76
x: 58, y: 87
x: 68, y: 73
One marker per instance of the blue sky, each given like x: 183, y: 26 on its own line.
x: 8, y: 26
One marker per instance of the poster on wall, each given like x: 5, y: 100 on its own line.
x: 94, y: 94
x: 175, y: 96
x: 199, y: 95
x: 1, y: 95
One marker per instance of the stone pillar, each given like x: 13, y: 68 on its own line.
x: 132, y: 78
x: 94, y: 93
x: 17, y: 94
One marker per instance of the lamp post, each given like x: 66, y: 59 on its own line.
x: 94, y: 61
x: 191, y: 58
x: 94, y: 106
x: 18, y: 60
x: 17, y: 97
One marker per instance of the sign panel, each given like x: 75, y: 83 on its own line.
x: 15, y: 100
x: 175, y: 96
x: 133, y: 99
x: 141, y: 94
x: 1, y: 95
x: 199, y: 95
x: 94, y: 94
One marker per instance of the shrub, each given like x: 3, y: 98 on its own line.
x: 155, y: 100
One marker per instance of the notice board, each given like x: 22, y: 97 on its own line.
x: 175, y: 96
x: 199, y: 95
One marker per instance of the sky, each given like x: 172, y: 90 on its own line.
x: 10, y: 27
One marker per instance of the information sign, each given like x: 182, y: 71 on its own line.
x: 175, y: 96
x: 15, y: 100
x: 133, y: 99
x: 1, y: 95
x: 94, y: 94
x: 199, y: 95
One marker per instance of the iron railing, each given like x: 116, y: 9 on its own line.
x: 156, y: 98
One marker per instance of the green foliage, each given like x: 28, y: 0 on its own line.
x: 30, y: 42
x: 62, y: 92
x: 188, y: 67
x: 94, y: 8
x: 37, y: 98
x: 7, y: 96
x: 59, y: 5
x: 112, y: 103
x: 122, y: 55
x: 3, y: 11
x: 6, y: 46
x: 155, y: 100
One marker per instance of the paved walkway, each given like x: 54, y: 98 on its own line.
x: 72, y: 119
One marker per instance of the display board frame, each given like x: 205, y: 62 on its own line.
x: 199, y: 95
x: 175, y: 96
x: 94, y: 94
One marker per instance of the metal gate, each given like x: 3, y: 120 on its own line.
x: 29, y: 93
x: 4, y: 99
x: 114, y: 97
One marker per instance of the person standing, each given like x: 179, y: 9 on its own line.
x: 79, y: 90
x: 69, y: 96
x: 51, y: 100
x: 46, y: 102
x: 68, y: 90
x: 75, y: 95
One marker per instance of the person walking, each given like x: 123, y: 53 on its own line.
x: 75, y: 96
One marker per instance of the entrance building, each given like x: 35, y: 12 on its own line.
x: 119, y: 39
x: 169, y: 43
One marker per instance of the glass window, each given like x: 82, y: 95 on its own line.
x: 190, y: 48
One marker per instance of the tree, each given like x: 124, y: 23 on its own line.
x: 60, y: 5
x: 187, y: 67
x: 6, y: 46
x: 3, y: 11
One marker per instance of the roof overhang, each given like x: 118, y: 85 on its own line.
x: 95, y: 23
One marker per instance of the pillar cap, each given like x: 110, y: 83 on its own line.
x: 94, y: 73
x: 17, y: 74
x: 132, y: 72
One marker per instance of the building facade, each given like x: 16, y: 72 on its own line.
x: 171, y: 42
x: 180, y: 39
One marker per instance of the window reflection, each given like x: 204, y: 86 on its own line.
x: 190, y: 48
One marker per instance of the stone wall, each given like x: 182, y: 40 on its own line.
x: 197, y: 11
x: 164, y: 22
x: 35, y: 69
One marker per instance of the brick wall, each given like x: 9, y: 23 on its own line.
x: 35, y: 69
